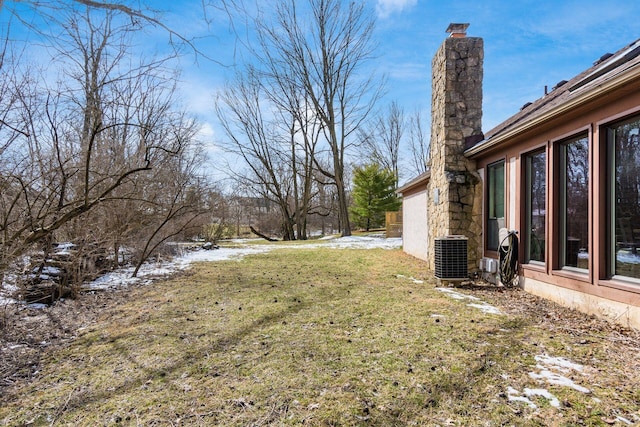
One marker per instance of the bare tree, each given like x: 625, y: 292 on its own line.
x: 176, y: 205
x: 96, y: 140
x: 139, y: 17
x: 255, y: 138
x: 324, y: 51
x: 418, y: 143
x: 381, y: 143
x: 219, y: 220
x: 296, y: 118
x: 323, y: 210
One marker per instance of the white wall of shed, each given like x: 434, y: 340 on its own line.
x: 415, y: 230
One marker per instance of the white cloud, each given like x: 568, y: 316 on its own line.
x: 384, y: 8
x: 206, y: 132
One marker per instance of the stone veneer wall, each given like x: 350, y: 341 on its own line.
x: 456, y: 114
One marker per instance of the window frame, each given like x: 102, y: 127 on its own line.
x: 610, y: 195
x: 526, y: 204
x: 560, y: 212
x: 491, y: 206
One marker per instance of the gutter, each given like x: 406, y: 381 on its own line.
x: 416, y: 182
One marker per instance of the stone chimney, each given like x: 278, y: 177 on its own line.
x: 457, y: 30
x: 455, y: 192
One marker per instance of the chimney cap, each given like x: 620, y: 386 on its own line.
x: 457, y: 29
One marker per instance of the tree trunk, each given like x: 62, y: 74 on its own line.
x: 259, y: 234
x: 343, y: 207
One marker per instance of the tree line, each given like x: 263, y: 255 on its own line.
x: 96, y: 149
x: 303, y: 110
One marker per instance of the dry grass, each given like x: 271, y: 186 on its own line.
x: 324, y: 337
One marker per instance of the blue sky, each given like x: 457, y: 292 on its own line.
x: 528, y: 44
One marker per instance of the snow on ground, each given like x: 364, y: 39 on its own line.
x: 486, y: 308
x: 365, y: 242
x: 372, y: 241
x: 549, y: 370
x: 481, y: 305
x: 8, y: 288
x: 552, y: 368
x: 515, y: 395
x: 150, y: 271
x: 414, y: 280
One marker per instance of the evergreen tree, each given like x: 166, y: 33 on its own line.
x: 373, y: 195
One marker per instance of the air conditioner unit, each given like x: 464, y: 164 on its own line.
x: 451, y: 258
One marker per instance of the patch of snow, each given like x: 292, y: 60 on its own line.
x: 416, y: 281
x: 547, y: 365
x: 483, y: 306
x: 557, y: 379
x: 222, y: 254
x: 553, y: 401
x: 457, y: 295
x: 559, y: 363
x: 365, y: 242
x: 38, y: 305
x: 7, y: 288
x: 245, y: 241
x: 48, y: 270
x: 65, y: 246
x: 552, y: 368
x: 486, y: 308
x: 515, y: 396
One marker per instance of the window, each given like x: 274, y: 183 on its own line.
x: 574, y: 203
x: 495, y: 210
x: 535, y: 206
x: 623, y: 143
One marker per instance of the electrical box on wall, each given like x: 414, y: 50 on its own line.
x: 492, y: 266
x: 488, y: 265
x: 436, y: 196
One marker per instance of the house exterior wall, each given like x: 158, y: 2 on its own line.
x: 594, y: 289
x: 620, y: 312
x: 456, y: 194
x: 415, y: 230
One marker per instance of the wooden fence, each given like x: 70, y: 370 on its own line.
x: 393, y: 224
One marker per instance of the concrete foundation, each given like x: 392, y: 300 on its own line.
x: 624, y: 314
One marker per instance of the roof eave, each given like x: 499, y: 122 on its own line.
x: 416, y: 182
x: 607, y: 86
